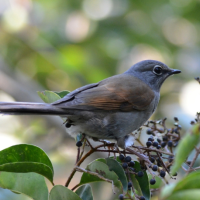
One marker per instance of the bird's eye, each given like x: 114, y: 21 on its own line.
x: 157, y: 70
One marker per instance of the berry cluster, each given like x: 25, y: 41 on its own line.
x: 158, y: 150
x: 128, y: 165
x: 162, y: 140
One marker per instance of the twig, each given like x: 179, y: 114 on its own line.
x: 162, y: 162
x: 194, y: 159
x: 83, y: 148
x: 78, y: 154
x: 155, y: 150
x: 81, y: 160
x: 141, y: 156
x: 153, y: 175
x: 79, y: 169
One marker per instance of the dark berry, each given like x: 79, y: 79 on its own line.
x: 150, y: 139
x: 152, y: 159
x: 192, y: 122
x: 125, y: 165
x: 158, y: 147
x: 155, y: 144
x: 131, y: 164
x: 159, y: 140
x: 127, y: 159
x: 148, y: 143
x: 149, y: 132
x: 152, y: 181
x: 163, y: 144
x: 129, y: 184
x: 165, y: 138
x: 176, y: 119
x: 155, y: 168
x: 121, y: 157
x: 140, y: 174
x: 162, y: 173
x: 170, y: 143
x: 79, y: 144
x: 142, y: 198
x: 121, y: 197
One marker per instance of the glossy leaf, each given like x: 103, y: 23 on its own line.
x: 185, y: 194
x: 117, y: 168
x: 167, y: 190
x: 190, y: 182
x: 48, y: 96
x: 60, y: 192
x: 185, y: 147
x: 103, y: 170
x: 26, y: 158
x: 31, y: 184
x: 143, y: 181
x: 85, y: 192
x: 62, y: 93
x: 136, y: 185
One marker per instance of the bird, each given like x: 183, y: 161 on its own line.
x: 110, y: 109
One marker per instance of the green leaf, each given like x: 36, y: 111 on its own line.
x: 185, y: 147
x: 48, y: 96
x: 26, y: 158
x: 117, y: 168
x: 103, y: 170
x: 62, y: 93
x: 167, y: 190
x: 31, y: 184
x: 85, y: 192
x: 189, y: 182
x: 60, y: 192
x: 186, y: 194
x: 136, y: 185
x: 143, y: 181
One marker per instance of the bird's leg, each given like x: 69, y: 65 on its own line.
x: 79, y: 144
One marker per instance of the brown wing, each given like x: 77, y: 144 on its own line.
x: 117, y: 93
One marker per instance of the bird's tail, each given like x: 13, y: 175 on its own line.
x: 25, y: 108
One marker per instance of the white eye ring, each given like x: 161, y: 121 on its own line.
x: 157, y: 70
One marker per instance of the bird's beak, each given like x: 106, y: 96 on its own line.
x: 174, y: 71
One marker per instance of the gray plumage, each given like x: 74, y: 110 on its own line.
x: 110, y: 109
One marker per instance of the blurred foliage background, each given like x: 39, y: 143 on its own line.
x: 61, y: 45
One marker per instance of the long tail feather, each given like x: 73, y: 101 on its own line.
x: 26, y: 108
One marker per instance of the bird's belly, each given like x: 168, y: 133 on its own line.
x: 111, y: 126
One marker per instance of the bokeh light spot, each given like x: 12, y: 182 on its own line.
x: 190, y: 98
x: 77, y: 27
x: 97, y: 9
x: 179, y: 32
